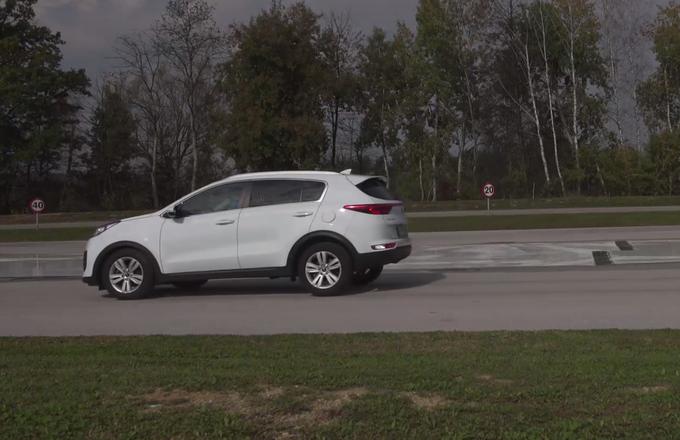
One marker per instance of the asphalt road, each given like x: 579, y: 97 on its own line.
x: 631, y: 297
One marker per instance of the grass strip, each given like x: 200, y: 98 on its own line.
x: 45, y: 234
x: 543, y: 221
x: 430, y: 224
x: 598, y: 384
x: 545, y: 203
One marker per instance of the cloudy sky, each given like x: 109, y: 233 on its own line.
x: 90, y: 27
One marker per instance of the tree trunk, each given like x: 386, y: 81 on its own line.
x: 550, y: 103
x: 434, y: 177
x: 420, y: 179
x: 154, y: 187
x: 612, y: 73
x: 194, y: 152
x: 575, y: 125
x: 387, y: 171
x: 459, y: 170
x: 334, y: 131
x: 668, y: 101
x: 436, y: 148
x: 537, y: 120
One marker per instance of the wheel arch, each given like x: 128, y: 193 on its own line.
x: 317, y: 237
x: 113, y: 247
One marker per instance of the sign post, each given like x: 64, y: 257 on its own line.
x: 488, y: 191
x: 37, y: 206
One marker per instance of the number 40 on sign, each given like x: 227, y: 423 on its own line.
x: 37, y: 206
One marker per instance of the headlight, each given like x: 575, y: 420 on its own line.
x: 105, y: 227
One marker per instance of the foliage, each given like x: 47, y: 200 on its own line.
x: 522, y: 93
x: 38, y: 103
x: 272, y: 82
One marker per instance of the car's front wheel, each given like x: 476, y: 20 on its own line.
x: 367, y: 275
x: 325, y: 269
x: 128, y: 274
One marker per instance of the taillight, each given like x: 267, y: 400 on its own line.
x: 374, y: 208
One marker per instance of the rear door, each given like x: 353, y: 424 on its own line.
x: 278, y: 213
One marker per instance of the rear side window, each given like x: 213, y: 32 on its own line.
x: 376, y: 188
x: 278, y: 192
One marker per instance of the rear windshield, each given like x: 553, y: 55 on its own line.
x: 375, y: 187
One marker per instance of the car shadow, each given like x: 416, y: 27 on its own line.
x: 390, y: 281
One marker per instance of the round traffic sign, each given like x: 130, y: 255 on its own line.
x: 37, y: 205
x: 488, y: 190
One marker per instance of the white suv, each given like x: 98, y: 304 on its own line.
x: 329, y: 229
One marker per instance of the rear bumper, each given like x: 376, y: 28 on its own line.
x: 382, y: 258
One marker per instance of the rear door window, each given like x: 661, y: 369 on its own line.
x: 376, y: 188
x: 278, y: 192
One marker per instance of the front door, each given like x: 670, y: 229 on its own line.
x: 204, y: 238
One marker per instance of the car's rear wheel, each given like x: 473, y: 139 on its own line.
x: 325, y: 269
x: 128, y: 274
x: 367, y: 275
x: 188, y: 285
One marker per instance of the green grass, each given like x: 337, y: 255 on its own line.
x: 45, y: 234
x: 558, y: 202
x: 543, y: 221
x: 455, y: 205
x: 556, y: 385
x: 65, y: 217
x: 429, y: 224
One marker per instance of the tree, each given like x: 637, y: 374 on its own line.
x: 381, y: 76
x: 112, y: 146
x: 142, y: 66
x: 37, y: 100
x: 189, y: 39
x: 586, y: 70
x: 339, y: 45
x: 273, y: 83
x: 659, y: 95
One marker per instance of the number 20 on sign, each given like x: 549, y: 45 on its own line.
x: 488, y: 191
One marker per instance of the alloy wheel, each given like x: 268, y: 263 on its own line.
x: 126, y: 275
x: 323, y: 270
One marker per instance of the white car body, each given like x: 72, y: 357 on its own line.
x: 258, y: 240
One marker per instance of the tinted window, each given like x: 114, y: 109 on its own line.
x: 375, y: 187
x: 219, y: 198
x: 276, y: 192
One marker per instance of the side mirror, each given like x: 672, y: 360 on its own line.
x: 176, y: 212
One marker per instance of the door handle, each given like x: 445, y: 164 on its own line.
x: 303, y: 214
x: 225, y: 222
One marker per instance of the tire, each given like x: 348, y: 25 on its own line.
x: 188, y: 285
x: 367, y: 275
x: 332, y: 263
x: 128, y: 274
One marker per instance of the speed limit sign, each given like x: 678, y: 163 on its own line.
x: 37, y: 206
x: 488, y: 190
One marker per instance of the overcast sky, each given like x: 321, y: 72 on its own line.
x: 90, y: 27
